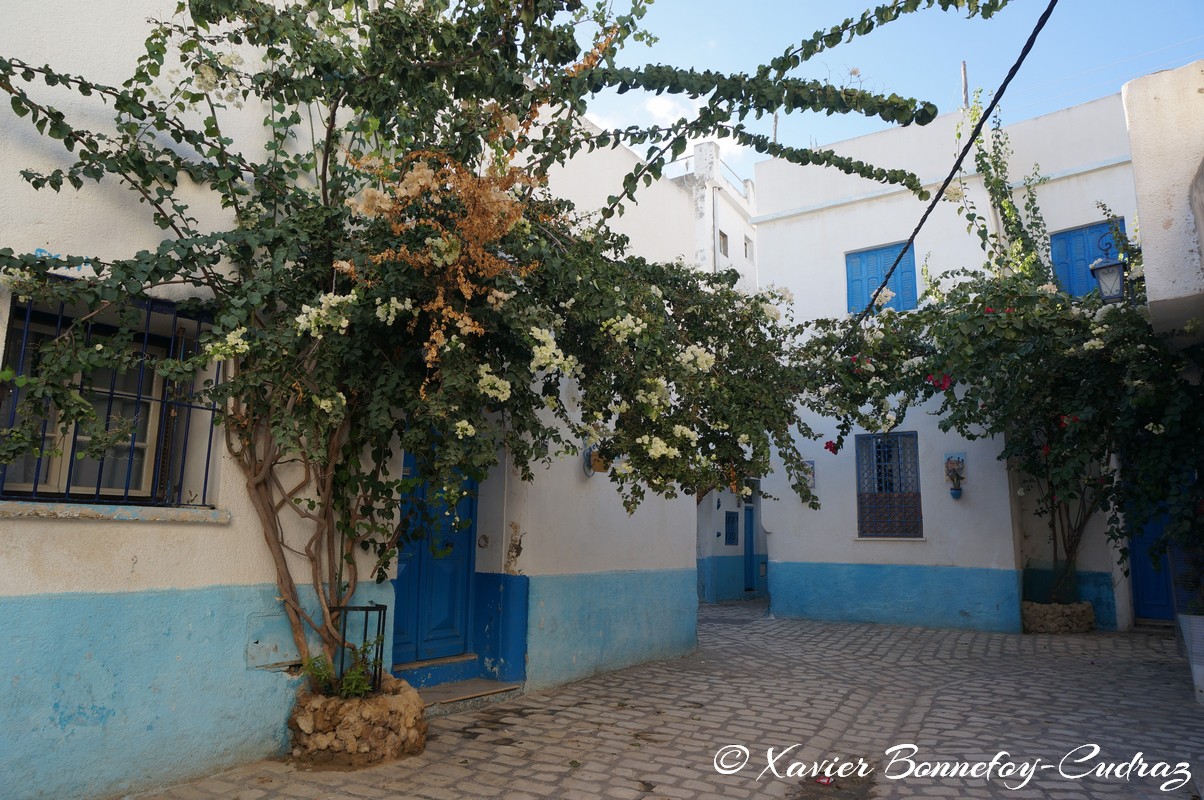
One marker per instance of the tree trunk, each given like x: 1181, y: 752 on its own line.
x: 1065, y: 586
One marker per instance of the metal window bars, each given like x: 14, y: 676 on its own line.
x: 888, y: 486
x: 168, y: 457
x: 374, y: 644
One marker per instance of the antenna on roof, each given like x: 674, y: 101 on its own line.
x: 965, y: 88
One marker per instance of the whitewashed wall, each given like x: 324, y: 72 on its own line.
x: 1165, y: 113
x: 808, y: 218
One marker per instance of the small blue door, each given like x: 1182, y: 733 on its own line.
x: 1152, y: 593
x: 433, y: 587
x: 750, y: 554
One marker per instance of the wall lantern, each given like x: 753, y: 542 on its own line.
x: 1109, y: 273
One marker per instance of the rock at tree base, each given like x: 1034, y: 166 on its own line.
x: 1057, y: 617
x: 361, y: 730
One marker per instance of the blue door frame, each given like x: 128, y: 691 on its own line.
x: 750, y: 550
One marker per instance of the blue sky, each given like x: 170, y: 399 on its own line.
x: 1089, y: 49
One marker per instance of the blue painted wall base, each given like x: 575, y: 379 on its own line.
x: 500, y: 622
x: 588, y: 623
x: 897, y: 594
x: 1094, y: 587
x: 113, y: 693
x: 721, y: 578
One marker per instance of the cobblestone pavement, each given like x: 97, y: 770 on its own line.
x: 846, y: 690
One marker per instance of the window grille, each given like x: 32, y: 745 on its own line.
x: 167, y: 458
x: 888, y: 486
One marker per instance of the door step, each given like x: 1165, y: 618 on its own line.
x: 452, y: 698
x: 1164, y: 626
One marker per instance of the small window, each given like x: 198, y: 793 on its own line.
x: 888, y: 486
x: 1074, y: 251
x: 748, y: 248
x: 865, y: 268
x: 731, y: 528
x: 166, y: 457
x: 723, y: 243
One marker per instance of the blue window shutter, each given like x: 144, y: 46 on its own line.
x: 1059, y: 254
x: 903, y: 282
x: 855, y: 274
x: 1074, y: 251
x: 865, y: 269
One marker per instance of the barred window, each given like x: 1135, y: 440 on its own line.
x: 888, y: 486
x: 167, y: 457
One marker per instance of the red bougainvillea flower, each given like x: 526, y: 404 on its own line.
x: 990, y: 310
x: 942, y: 383
x: 830, y: 446
x: 1009, y: 310
x: 1045, y: 450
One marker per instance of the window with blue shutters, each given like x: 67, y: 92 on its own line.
x: 888, y: 486
x: 865, y: 269
x: 1074, y: 251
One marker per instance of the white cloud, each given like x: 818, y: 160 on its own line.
x: 665, y: 110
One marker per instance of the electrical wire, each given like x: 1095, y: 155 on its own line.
x: 961, y: 157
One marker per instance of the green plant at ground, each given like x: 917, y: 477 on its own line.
x: 1094, y: 411
x: 392, y: 276
x: 320, y: 674
x: 357, y: 676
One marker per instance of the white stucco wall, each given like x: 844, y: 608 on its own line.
x: 1165, y: 113
x: 568, y: 522
x: 712, y: 513
x: 102, y: 41
x: 975, y: 531
x: 659, y: 222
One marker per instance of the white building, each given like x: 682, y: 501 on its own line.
x: 829, y: 237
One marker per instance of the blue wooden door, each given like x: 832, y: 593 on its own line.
x: 1152, y: 592
x: 750, y: 550
x: 433, y: 588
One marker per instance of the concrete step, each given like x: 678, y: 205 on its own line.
x: 452, y: 698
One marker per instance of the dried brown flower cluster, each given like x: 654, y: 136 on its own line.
x: 461, y: 216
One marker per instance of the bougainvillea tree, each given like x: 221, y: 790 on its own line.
x: 394, y: 275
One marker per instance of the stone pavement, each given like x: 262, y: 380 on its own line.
x: 834, y: 690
